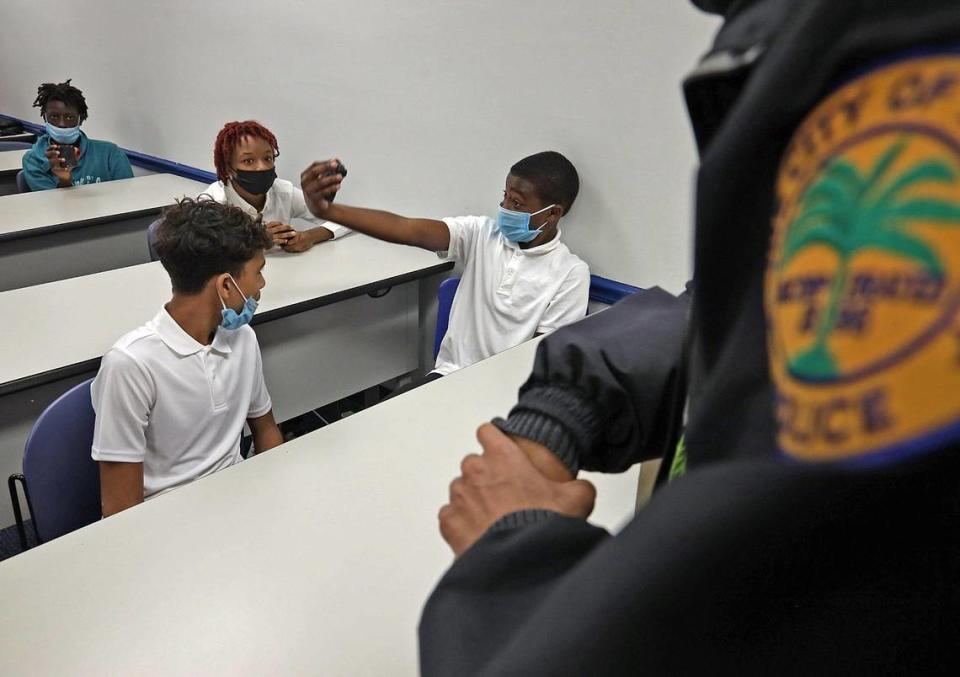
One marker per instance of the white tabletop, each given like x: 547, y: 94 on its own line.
x: 30, y: 212
x: 23, y: 137
x: 314, y: 558
x: 11, y: 161
x: 59, y: 324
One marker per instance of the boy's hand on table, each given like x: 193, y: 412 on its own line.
x: 282, y: 233
x: 300, y: 242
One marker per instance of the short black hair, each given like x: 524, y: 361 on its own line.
x: 553, y: 175
x: 63, y: 92
x: 200, y: 238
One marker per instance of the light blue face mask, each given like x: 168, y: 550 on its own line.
x: 63, y: 134
x: 231, y: 319
x: 515, y: 226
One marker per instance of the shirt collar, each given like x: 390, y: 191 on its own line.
x: 233, y: 198
x: 539, y: 250
x: 180, y: 342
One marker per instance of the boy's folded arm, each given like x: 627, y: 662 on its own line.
x: 266, y: 433
x: 121, y: 486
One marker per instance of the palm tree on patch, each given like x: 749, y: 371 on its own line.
x: 850, y: 213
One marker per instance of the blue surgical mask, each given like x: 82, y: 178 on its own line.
x: 515, y: 226
x: 231, y: 319
x: 63, y: 134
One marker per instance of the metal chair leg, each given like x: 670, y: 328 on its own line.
x: 17, y: 513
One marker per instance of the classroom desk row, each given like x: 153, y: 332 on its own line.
x: 10, y: 161
x: 322, y: 335
x: 10, y: 164
x: 57, y: 234
x: 23, y: 137
x: 313, y: 558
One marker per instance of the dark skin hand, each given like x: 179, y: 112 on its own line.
x: 60, y: 114
x: 319, y: 181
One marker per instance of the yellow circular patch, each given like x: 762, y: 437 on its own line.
x: 863, y: 282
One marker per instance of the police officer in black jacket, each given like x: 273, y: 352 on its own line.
x: 816, y: 528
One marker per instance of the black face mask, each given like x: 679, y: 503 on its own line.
x: 713, y: 6
x: 255, y: 183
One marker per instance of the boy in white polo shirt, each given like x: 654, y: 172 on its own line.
x: 172, y: 397
x: 519, y: 280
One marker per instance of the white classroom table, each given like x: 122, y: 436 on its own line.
x: 10, y: 164
x: 56, y: 234
x: 11, y: 161
x: 314, y: 558
x: 322, y: 336
x: 24, y: 137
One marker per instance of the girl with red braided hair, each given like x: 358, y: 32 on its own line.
x: 244, y: 155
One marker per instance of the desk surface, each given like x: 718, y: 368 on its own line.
x: 11, y: 161
x: 50, y: 330
x: 31, y: 213
x: 25, y: 137
x: 314, y: 558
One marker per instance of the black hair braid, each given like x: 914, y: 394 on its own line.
x: 60, y: 91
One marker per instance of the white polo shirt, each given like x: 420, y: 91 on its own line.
x: 175, y: 405
x: 284, y: 203
x: 507, y: 294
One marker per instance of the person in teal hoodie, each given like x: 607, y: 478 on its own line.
x: 65, y: 156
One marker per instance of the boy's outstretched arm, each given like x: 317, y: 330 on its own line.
x: 319, y: 180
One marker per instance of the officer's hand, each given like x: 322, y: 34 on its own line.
x: 320, y: 183
x: 500, y: 481
x: 544, y: 460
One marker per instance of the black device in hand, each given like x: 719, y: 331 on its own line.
x: 68, y: 156
x: 341, y: 170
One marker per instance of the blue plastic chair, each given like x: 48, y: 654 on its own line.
x: 448, y: 289
x: 152, y: 239
x: 22, y: 186
x: 14, y: 145
x: 60, y: 480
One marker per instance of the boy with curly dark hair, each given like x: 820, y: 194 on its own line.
x: 172, y: 397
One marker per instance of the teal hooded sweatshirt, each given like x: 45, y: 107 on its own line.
x: 99, y: 161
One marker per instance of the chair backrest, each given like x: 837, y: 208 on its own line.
x: 609, y: 292
x: 448, y: 289
x: 22, y: 186
x: 14, y: 145
x: 152, y: 239
x: 62, y: 480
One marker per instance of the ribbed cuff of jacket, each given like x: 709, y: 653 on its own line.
x: 560, y: 419
x: 521, y: 518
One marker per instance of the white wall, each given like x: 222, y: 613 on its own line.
x: 428, y: 102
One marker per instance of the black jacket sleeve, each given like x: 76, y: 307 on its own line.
x: 604, y: 392
x: 494, y: 588
x: 736, y: 568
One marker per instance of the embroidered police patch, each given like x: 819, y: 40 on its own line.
x: 863, y: 281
